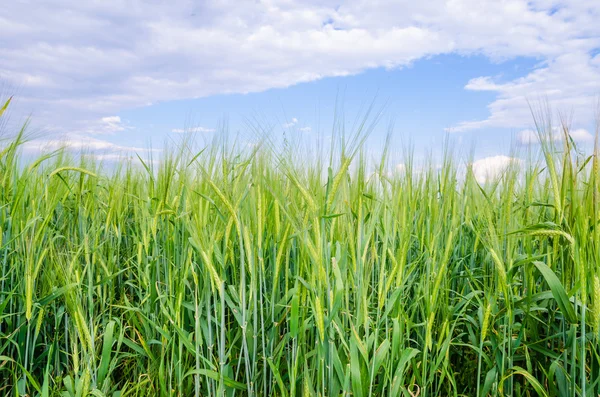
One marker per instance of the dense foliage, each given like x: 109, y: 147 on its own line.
x: 252, y: 272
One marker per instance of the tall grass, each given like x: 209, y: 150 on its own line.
x: 247, y: 272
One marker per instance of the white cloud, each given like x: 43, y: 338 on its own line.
x: 79, y: 60
x: 107, y: 125
x: 569, y: 81
x: 75, y: 142
x: 528, y: 136
x: 111, y: 119
x: 294, y: 123
x: 291, y: 123
x: 192, y: 130
x: 25, y: 79
x: 490, y: 168
x: 112, y: 124
x: 581, y: 135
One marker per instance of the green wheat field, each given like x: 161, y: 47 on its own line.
x: 248, y: 270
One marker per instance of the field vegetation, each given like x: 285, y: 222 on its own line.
x: 237, y: 270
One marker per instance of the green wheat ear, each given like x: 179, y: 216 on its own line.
x: 5, y: 106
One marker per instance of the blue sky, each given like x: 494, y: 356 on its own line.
x: 404, y: 96
x: 116, y: 76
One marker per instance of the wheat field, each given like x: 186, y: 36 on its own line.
x: 238, y: 270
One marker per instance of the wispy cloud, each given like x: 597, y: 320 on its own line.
x: 112, y: 124
x: 75, y: 142
x: 291, y: 123
x: 295, y: 124
x: 526, y: 137
x: 192, y: 130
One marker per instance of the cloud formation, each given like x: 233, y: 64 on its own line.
x: 84, y: 60
x: 192, y: 130
x: 491, y: 168
x: 82, y: 143
x: 291, y: 123
x: 526, y: 137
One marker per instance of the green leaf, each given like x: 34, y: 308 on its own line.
x: 380, y: 355
x: 215, y: 376
x: 490, y: 378
x: 355, y: 370
x: 407, y: 355
x: 56, y: 294
x: 106, y: 350
x: 294, y: 316
x: 533, y: 381
x: 277, y: 375
x: 331, y: 216
x: 558, y: 292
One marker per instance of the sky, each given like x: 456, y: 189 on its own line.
x: 121, y: 76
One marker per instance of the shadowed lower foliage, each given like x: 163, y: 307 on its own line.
x: 232, y: 272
